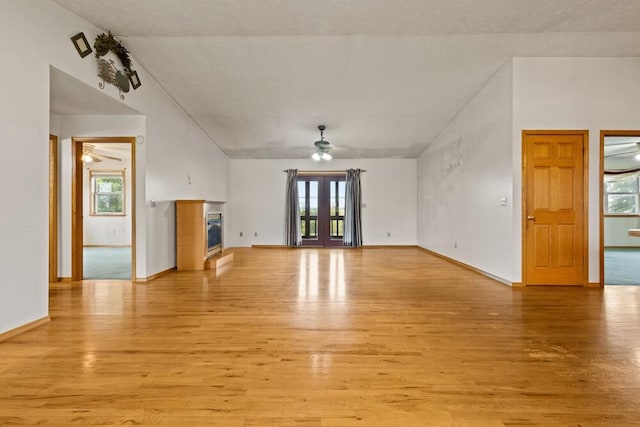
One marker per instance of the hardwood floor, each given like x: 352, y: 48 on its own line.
x: 327, y: 337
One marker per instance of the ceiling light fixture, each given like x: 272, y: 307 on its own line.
x: 322, y: 147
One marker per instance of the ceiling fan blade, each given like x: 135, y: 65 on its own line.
x: 625, y: 141
x: 94, y: 158
x: 624, y: 153
x: 109, y: 157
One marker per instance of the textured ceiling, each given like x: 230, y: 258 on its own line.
x: 385, y: 77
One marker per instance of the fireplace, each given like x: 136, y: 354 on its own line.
x: 214, y: 233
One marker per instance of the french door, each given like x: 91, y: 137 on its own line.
x: 321, y: 200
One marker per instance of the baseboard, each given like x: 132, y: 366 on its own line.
x: 106, y: 246
x: 24, y: 328
x: 390, y: 247
x: 65, y: 279
x: 155, y: 276
x: 517, y: 285
x: 337, y: 247
x: 594, y: 285
x: 469, y: 267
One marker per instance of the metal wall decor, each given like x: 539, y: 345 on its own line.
x: 107, y: 70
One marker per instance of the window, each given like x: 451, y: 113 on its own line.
x: 107, y: 192
x: 621, y: 195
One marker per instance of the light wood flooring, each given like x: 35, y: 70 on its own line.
x: 327, y: 337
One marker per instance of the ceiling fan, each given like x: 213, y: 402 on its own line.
x: 89, y: 154
x: 322, y: 147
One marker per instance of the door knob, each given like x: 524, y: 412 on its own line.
x: 531, y: 218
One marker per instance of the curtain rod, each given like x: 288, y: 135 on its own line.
x: 324, y: 172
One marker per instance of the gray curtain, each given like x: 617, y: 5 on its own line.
x: 352, y: 217
x: 293, y: 234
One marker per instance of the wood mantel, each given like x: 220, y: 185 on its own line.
x: 191, y: 231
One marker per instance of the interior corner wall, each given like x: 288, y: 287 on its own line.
x: 257, y: 199
x: 181, y: 163
x: 174, y: 149
x: 465, y: 208
x: 573, y: 93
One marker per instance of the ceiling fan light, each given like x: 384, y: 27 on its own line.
x: 316, y: 156
x: 326, y: 156
x: 86, y: 158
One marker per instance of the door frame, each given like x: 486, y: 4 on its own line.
x: 585, y: 190
x: 53, y: 208
x: 77, y: 186
x: 603, y: 134
x: 323, y: 222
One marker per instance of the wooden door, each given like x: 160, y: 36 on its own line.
x: 555, y: 236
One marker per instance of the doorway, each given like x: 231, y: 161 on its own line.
x: 103, y: 208
x: 322, y: 202
x: 555, y: 211
x: 619, y: 207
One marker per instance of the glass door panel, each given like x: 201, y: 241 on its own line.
x: 308, y: 197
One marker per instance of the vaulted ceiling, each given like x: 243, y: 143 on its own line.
x: 384, y: 76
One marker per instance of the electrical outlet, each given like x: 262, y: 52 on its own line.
x: 255, y: 234
x: 455, y: 244
x: 388, y: 234
x: 241, y: 234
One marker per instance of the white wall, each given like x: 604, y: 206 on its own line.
x: 572, y: 93
x: 181, y: 163
x: 106, y: 230
x: 257, y: 199
x: 174, y: 146
x: 462, y: 176
x: 616, y: 231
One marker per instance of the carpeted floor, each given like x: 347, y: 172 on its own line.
x: 622, y: 266
x: 107, y: 263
